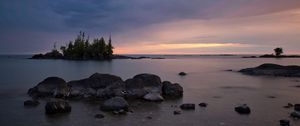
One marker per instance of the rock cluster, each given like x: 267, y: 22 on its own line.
x: 108, y: 87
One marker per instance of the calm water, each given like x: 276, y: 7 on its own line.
x: 207, y: 81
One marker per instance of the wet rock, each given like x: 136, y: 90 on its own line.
x: 31, y: 103
x: 203, y: 104
x: 155, y: 97
x: 172, y: 90
x: 243, y: 109
x: 99, y: 116
x: 273, y: 70
x: 115, y: 104
x: 182, y: 73
x: 176, y: 112
x: 284, y: 122
x: 295, y: 115
x: 57, y: 106
x: 187, y: 106
x: 48, y: 87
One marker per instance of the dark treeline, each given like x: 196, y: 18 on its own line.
x: 82, y: 49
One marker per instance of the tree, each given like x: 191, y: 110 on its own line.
x: 278, y: 51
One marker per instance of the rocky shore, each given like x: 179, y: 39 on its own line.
x: 273, y: 70
x: 104, y: 87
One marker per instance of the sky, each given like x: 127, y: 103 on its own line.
x: 153, y: 26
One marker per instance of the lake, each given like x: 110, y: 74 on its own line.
x: 207, y: 81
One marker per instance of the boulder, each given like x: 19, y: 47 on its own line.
x: 273, y: 70
x: 57, y: 106
x: 135, y: 88
x: 115, y: 104
x: 48, y: 87
x: 187, y: 106
x: 31, y: 103
x: 172, y: 90
x: 151, y: 82
x: 155, y: 97
x: 295, y: 115
x: 243, y: 109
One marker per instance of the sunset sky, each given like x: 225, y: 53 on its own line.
x: 153, y: 26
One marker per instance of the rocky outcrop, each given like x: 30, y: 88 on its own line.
x: 115, y: 104
x: 57, y: 106
x: 273, y: 70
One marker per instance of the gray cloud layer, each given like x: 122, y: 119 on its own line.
x: 33, y: 25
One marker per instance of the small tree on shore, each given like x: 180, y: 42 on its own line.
x: 278, y: 51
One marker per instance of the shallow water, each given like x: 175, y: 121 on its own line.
x: 207, y: 81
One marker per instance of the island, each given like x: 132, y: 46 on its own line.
x: 278, y: 54
x: 82, y: 49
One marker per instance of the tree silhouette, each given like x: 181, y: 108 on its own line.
x: 278, y: 51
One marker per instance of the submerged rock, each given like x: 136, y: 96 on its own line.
x: 187, y: 106
x: 273, y: 70
x: 31, y: 103
x: 115, y: 104
x: 57, y: 106
x: 243, y: 109
x: 172, y: 90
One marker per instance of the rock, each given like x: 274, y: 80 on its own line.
x: 297, y: 107
x: 99, y: 116
x: 172, y: 90
x: 151, y: 82
x: 273, y: 70
x: 31, y: 103
x: 48, y: 87
x: 155, y: 97
x: 243, y: 109
x: 203, y: 104
x: 182, y: 74
x: 176, y: 112
x: 98, y: 85
x: 134, y: 88
x: 115, y: 104
x: 284, y: 122
x: 57, y: 106
x: 187, y: 106
x: 295, y: 115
